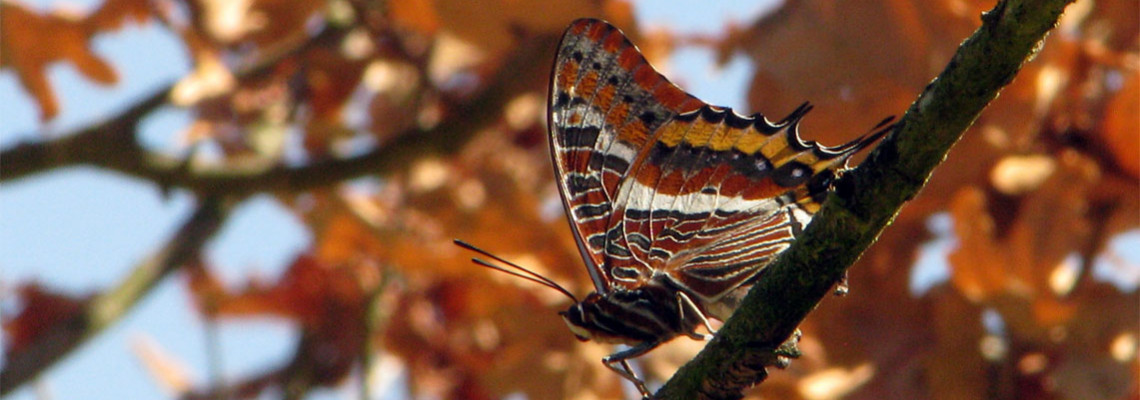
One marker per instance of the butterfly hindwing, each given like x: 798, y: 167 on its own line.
x: 716, y: 196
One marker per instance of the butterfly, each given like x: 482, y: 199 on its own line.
x: 677, y: 206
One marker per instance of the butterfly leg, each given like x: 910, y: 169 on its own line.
x: 622, y: 358
x: 628, y: 373
x: 683, y: 303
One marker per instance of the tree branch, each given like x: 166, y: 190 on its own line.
x: 108, y: 307
x: 865, y: 201
x: 112, y: 145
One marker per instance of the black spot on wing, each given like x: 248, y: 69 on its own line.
x: 596, y: 241
x: 636, y: 214
x: 648, y: 118
x: 561, y: 100
x: 659, y: 254
x: 625, y: 273
x: 582, y: 183
x: 613, y: 248
x: 791, y: 174
x: 640, y: 240
x: 755, y: 167
x: 579, y: 136
x: 586, y: 211
x: 614, y: 163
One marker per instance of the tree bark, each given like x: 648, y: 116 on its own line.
x: 865, y: 201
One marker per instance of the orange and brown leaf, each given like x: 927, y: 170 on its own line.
x: 309, y: 293
x: 1121, y: 125
x: 30, y: 42
x: 494, y: 26
x: 114, y: 14
x: 41, y: 311
x: 327, y: 302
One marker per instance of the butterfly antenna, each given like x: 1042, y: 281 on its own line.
x: 519, y: 271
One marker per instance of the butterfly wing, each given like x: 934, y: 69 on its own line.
x: 654, y: 180
x: 718, y: 196
x: 605, y: 101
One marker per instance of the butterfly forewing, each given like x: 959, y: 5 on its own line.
x: 605, y: 101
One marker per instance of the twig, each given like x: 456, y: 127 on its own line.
x: 865, y: 202
x: 108, y: 307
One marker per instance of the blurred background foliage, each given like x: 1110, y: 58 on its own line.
x: 389, y: 128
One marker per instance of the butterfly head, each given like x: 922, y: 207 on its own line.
x: 583, y: 320
x: 646, y: 314
x: 578, y: 320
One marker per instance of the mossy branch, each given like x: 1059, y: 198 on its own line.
x: 866, y: 200
x: 108, y: 307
